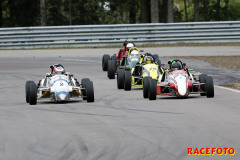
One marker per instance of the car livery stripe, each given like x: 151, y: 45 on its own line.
x: 146, y: 71
x: 62, y: 92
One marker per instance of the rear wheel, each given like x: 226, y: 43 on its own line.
x: 115, y: 60
x: 202, y: 79
x: 120, y: 78
x: 90, y: 91
x: 209, y: 87
x: 84, y: 82
x: 146, y: 82
x: 111, y: 69
x: 105, y: 59
x: 152, y: 92
x: 32, y: 94
x: 27, y: 90
x: 156, y: 57
x: 127, y: 80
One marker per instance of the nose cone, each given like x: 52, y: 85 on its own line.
x: 182, y: 90
x: 62, y: 96
x: 182, y: 85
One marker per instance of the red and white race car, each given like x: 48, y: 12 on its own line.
x: 179, y: 81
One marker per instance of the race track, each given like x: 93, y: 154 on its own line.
x: 119, y: 125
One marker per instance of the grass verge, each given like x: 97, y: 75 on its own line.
x: 235, y: 85
x: 229, y: 62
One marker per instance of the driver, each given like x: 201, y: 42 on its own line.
x: 176, y: 66
x: 148, y: 60
x: 57, y: 69
x: 173, y: 65
x: 129, y: 45
x: 134, y: 53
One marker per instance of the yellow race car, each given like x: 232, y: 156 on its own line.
x: 148, y: 68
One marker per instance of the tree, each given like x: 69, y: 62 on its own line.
x: 163, y: 13
x: 185, y: 8
x: 23, y: 13
x: 218, y: 8
x: 205, y: 9
x: 196, y: 10
x: 42, y: 13
x: 145, y: 11
x: 132, y: 11
x: 85, y: 12
x: 17, y: 13
x: 154, y: 11
x: 55, y: 13
x: 170, y: 11
x: 1, y: 17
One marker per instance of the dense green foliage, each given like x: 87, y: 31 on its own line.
x: 16, y: 13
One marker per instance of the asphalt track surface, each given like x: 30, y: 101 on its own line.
x: 119, y: 125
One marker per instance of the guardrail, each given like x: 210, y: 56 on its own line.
x: 107, y: 35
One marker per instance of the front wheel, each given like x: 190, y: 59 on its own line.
x: 146, y: 83
x: 152, y: 92
x: 127, y: 80
x: 209, y: 87
x: 84, y: 82
x: 27, y: 90
x: 90, y: 92
x: 120, y: 78
x: 202, y: 80
x: 111, y: 69
x: 105, y: 59
x: 32, y: 94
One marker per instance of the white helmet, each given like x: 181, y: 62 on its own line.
x: 134, y: 52
x: 129, y: 45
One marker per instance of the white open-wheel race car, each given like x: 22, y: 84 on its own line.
x: 59, y: 87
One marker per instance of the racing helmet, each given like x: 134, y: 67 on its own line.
x: 129, y: 45
x: 134, y: 53
x: 58, y: 69
x: 148, y: 60
x: 176, y: 66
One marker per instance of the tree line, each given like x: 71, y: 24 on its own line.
x: 19, y: 13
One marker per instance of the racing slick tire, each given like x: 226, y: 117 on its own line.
x: 32, y: 94
x: 111, y: 69
x: 146, y: 82
x: 84, y: 82
x: 156, y: 58
x: 115, y: 60
x: 209, y: 87
x: 89, y: 91
x: 120, y: 78
x: 152, y: 92
x: 202, y: 79
x: 127, y: 80
x: 105, y: 59
x: 27, y: 90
